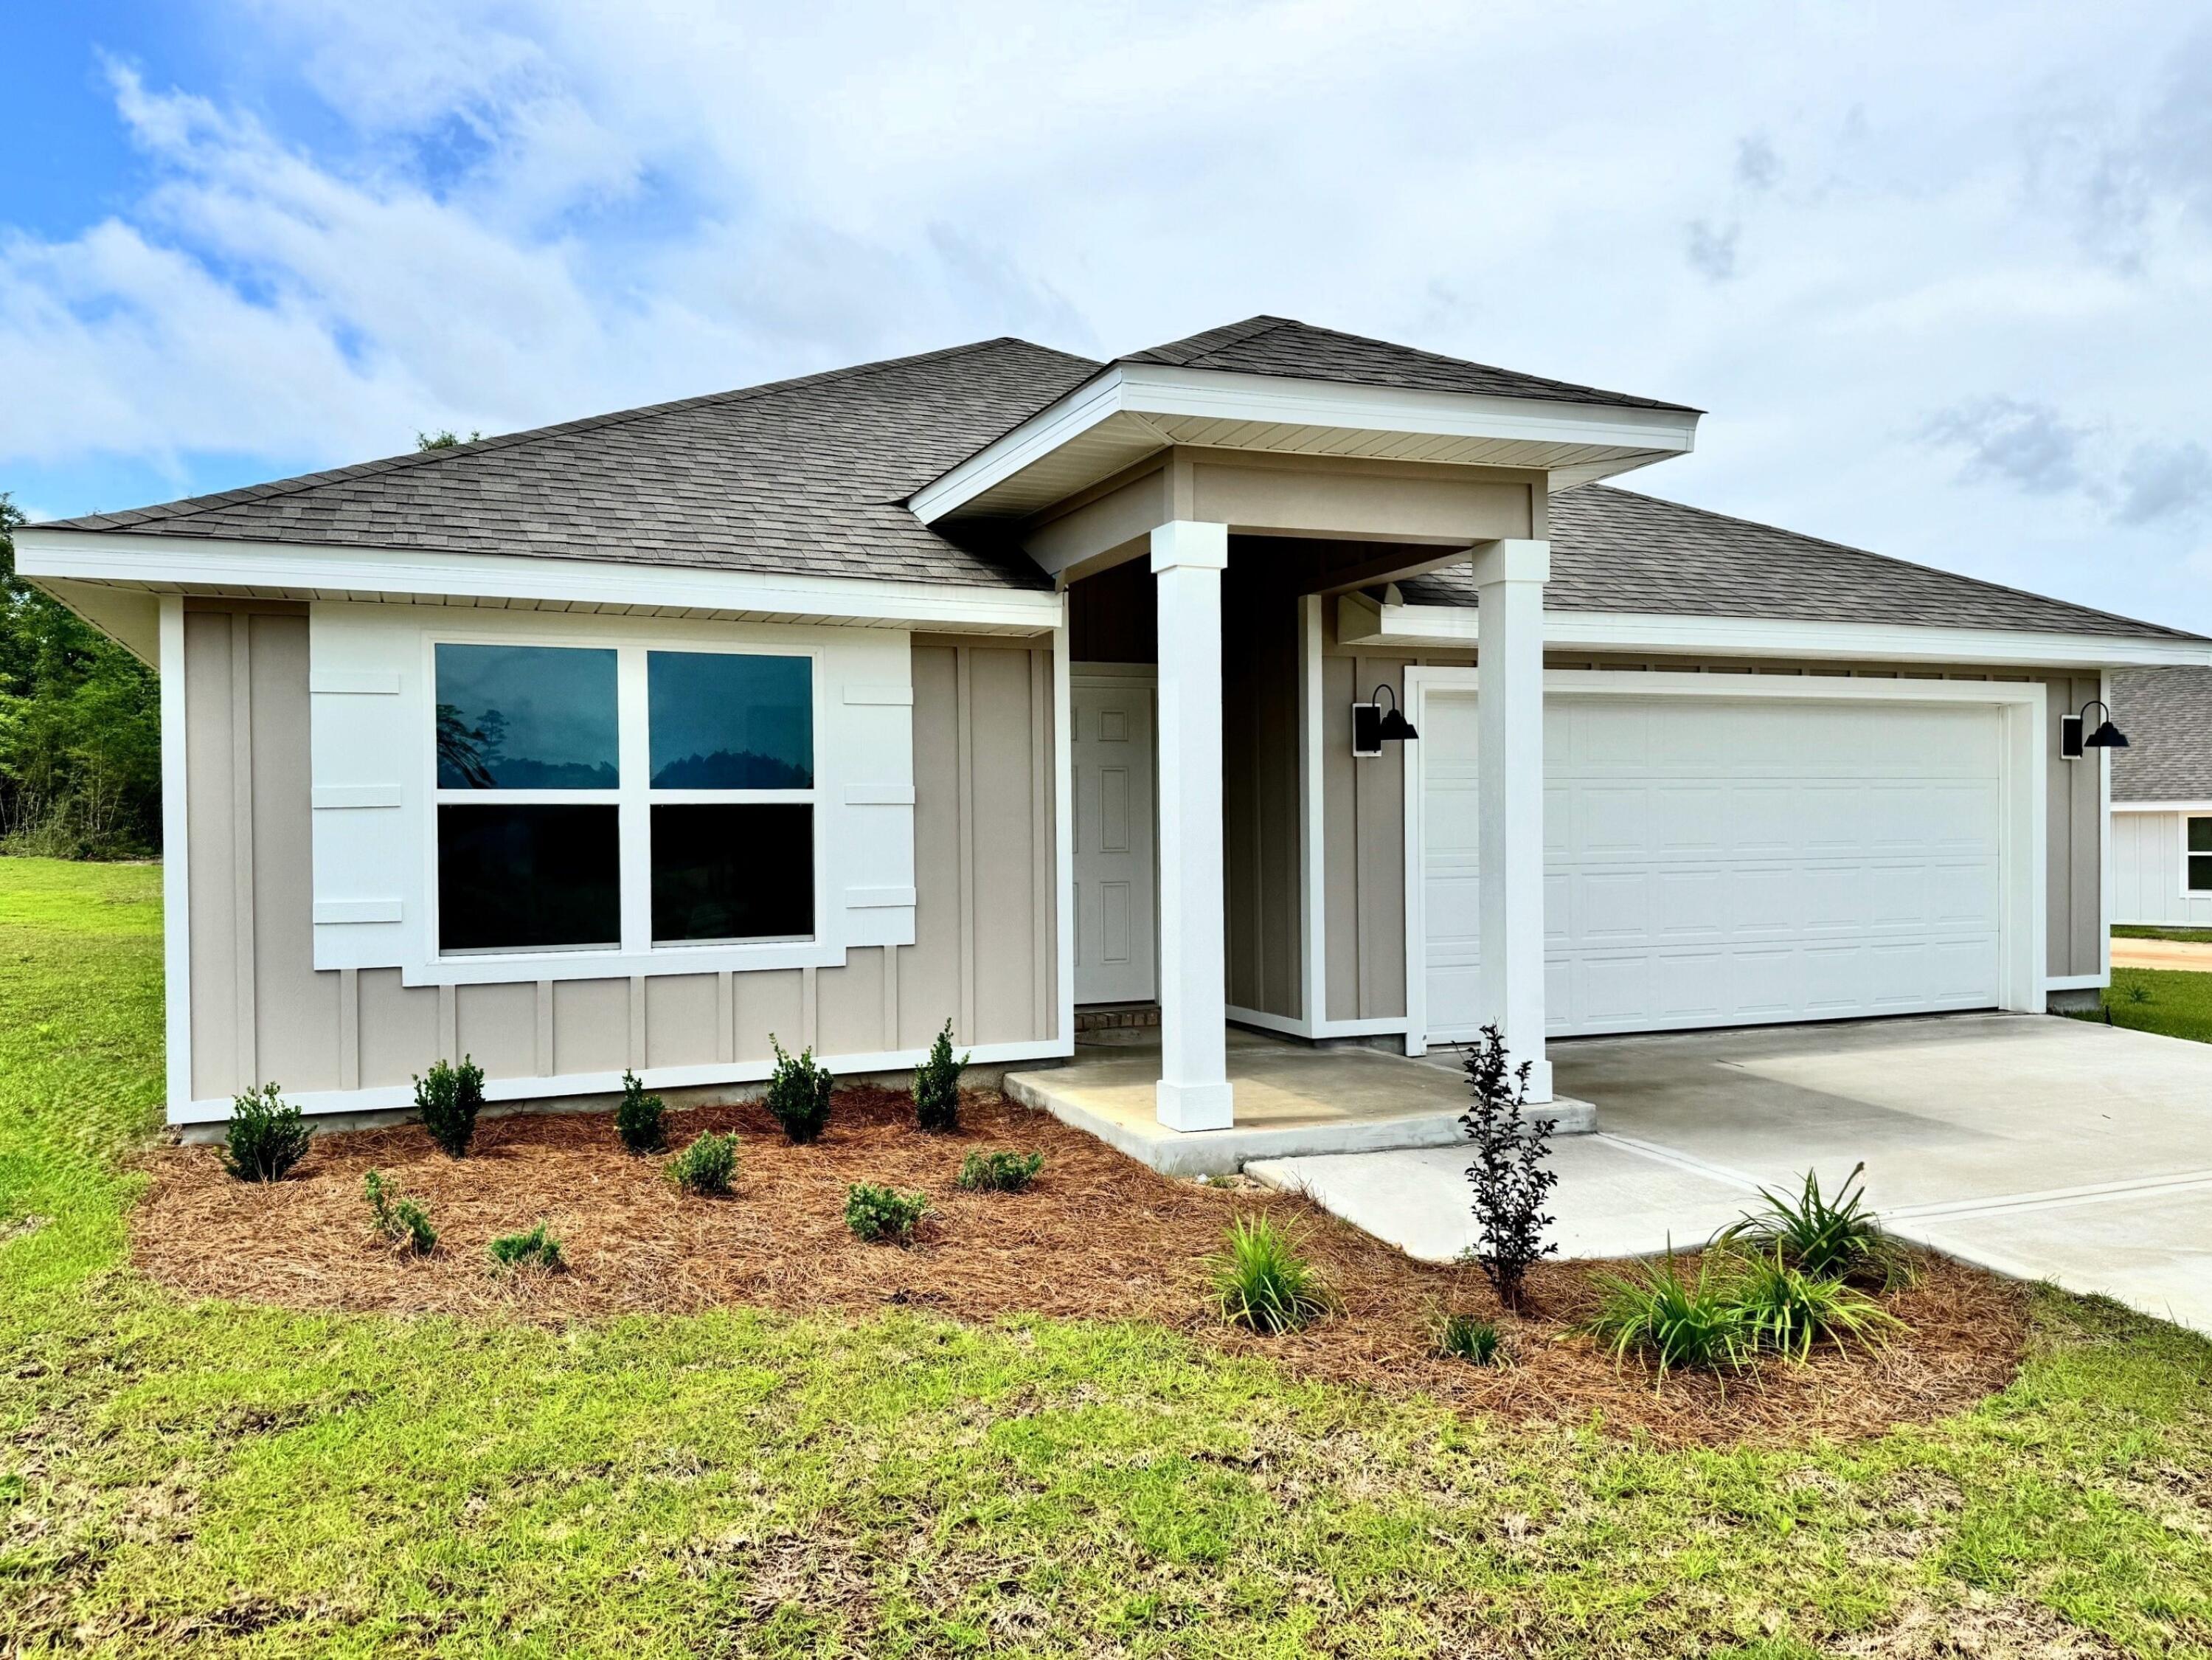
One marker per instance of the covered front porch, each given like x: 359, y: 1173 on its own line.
x: 1292, y: 1100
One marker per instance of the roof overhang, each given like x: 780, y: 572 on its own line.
x: 1131, y: 410
x: 1363, y: 621
x: 77, y: 566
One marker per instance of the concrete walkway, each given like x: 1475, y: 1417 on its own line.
x: 2045, y: 1148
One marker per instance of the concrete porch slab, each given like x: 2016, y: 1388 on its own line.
x: 1292, y: 1100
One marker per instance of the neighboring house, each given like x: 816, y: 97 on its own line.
x: 988, y: 684
x: 2162, y: 798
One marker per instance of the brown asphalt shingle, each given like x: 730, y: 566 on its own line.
x: 2166, y: 715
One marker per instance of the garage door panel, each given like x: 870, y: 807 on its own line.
x: 1717, y: 862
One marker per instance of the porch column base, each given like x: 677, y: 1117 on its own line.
x: 1194, y: 1106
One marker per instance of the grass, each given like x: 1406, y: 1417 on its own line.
x: 2142, y: 931
x: 189, y: 1479
x: 2176, y: 1002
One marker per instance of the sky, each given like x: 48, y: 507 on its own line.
x: 1942, y: 275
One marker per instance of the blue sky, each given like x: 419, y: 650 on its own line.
x: 1942, y: 277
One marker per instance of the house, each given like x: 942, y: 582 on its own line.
x: 2162, y: 798
x: 994, y: 683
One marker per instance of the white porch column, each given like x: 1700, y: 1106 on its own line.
x: 1510, y: 578
x: 1194, y: 1092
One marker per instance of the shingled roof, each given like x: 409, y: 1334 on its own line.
x: 1283, y: 346
x: 797, y: 477
x: 2167, y: 716
x: 1617, y: 550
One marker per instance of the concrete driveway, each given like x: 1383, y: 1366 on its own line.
x: 2043, y: 1147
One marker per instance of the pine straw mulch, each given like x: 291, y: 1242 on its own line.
x: 1097, y: 1237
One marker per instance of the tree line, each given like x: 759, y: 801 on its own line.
x: 80, y: 729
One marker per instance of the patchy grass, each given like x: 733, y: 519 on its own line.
x: 2140, y: 931
x: 197, y: 1477
x: 2176, y: 1002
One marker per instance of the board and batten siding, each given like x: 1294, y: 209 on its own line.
x: 2147, y: 872
x: 983, y: 957
x: 1363, y: 873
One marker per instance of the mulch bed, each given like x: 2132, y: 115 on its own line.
x: 1097, y: 1237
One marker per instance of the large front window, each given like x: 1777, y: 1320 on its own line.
x: 612, y: 798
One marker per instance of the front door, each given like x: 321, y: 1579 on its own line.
x: 1114, y: 891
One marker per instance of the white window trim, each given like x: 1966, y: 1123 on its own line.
x: 2188, y: 893
x: 2023, y: 982
x: 633, y: 798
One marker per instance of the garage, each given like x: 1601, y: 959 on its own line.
x: 1716, y: 860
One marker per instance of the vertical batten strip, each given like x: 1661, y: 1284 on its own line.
x: 638, y: 1036
x: 449, y: 1037
x: 891, y: 1036
x: 349, y: 1029
x: 176, y: 861
x: 246, y: 983
x: 544, y: 1054
x: 964, y: 699
x: 726, y: 1016
x: 1040, y: 933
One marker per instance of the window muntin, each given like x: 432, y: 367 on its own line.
x: 2196, y: 874
x: 527, y: 717
x: 729, y: 720
x: 635, y: 797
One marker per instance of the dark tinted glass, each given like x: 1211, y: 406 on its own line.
x: 731, y: 720
x: 524, y: 878
x: 2200, y: 835
x: 2200, y: 873
x: 525, y: 718
x: 734, y: 873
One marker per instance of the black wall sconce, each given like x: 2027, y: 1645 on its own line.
x: 1371, y: 727
x: 2072, y: 740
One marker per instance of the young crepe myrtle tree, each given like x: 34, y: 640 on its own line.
x: 1509, y: 1174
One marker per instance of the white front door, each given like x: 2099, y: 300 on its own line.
x: 1712, y: 862
x: 1113, y: 883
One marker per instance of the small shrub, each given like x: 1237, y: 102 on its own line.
x: 1827, y: 1238
x: 397, y: 1220
x: 706, y: 1166
x: 876, y: 1213
x: 1469, y: 1337
x: 937, y: 1086
x: 999, y: 1172
x: 1671, y: 1320
x: 449, y: 1097
x: 1508, y: 1176
x: 1262, y: 1281
x: 536, y: 1249
x: 798, y: 1094
x: 267, y: 1135
x: 1788, y: 1311
x: 639, y: 1119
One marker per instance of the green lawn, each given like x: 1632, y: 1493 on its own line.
x: 184, y: 1478
x: 2175, y: 1001
x: 2144, y: 931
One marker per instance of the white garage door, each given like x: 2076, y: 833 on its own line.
x: 1713, y: 862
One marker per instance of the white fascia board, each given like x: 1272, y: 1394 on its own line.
x: 2162, y: 807
x: 1215, y: 395
x: 168, y: 564
x: 1362, y: 621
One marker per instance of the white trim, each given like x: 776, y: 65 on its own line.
x: 384, y: 1097
x: 2186, y: 891
x: 879, y: 795
x: 1162, y: 389
x: 359, y: 910
x: 296, y: 570
x: 332, y: 683
x: 2108, y: 866
x: 877, y: 898
x: 2201, y: 806
x: 1239, y: 1016
x: 1063, y: 814
x: 2078, y: 982
x: 176, y: 863
x: 331, y: 797
x: 1363, y: 622
x: 2023, y: 981
x: 902, y: 696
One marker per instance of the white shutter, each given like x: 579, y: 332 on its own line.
x: 368, y: 778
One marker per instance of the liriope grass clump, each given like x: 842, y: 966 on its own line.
x: 537, y: 1248
x: 999, y: 1172
x: 1263, y: 1282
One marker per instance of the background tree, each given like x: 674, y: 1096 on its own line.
x: 80, y: 729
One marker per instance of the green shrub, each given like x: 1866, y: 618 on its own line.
x: 449, y: 1097
x: 880, y: 1214
x: 397, y: 1220
x: 638, y: 1120
x: 1671, y: 1320
x: 1788, y: 1311
x: 267, y: 1135
x: 1827, y: 1239
x: 798, y: 1094
x: 999, y: 1172
x: 706, y: 1166
x: 536, y: 1249
x: 1469, y: 1337
x: 937, y: 1086
x: 1262, y: 1281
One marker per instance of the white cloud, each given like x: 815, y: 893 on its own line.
x: 521, y: 210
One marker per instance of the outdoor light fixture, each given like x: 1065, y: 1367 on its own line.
x: 2072, y: 740
x: 1372, y: 727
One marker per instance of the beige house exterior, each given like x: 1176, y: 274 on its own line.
x: 1076, y: 650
